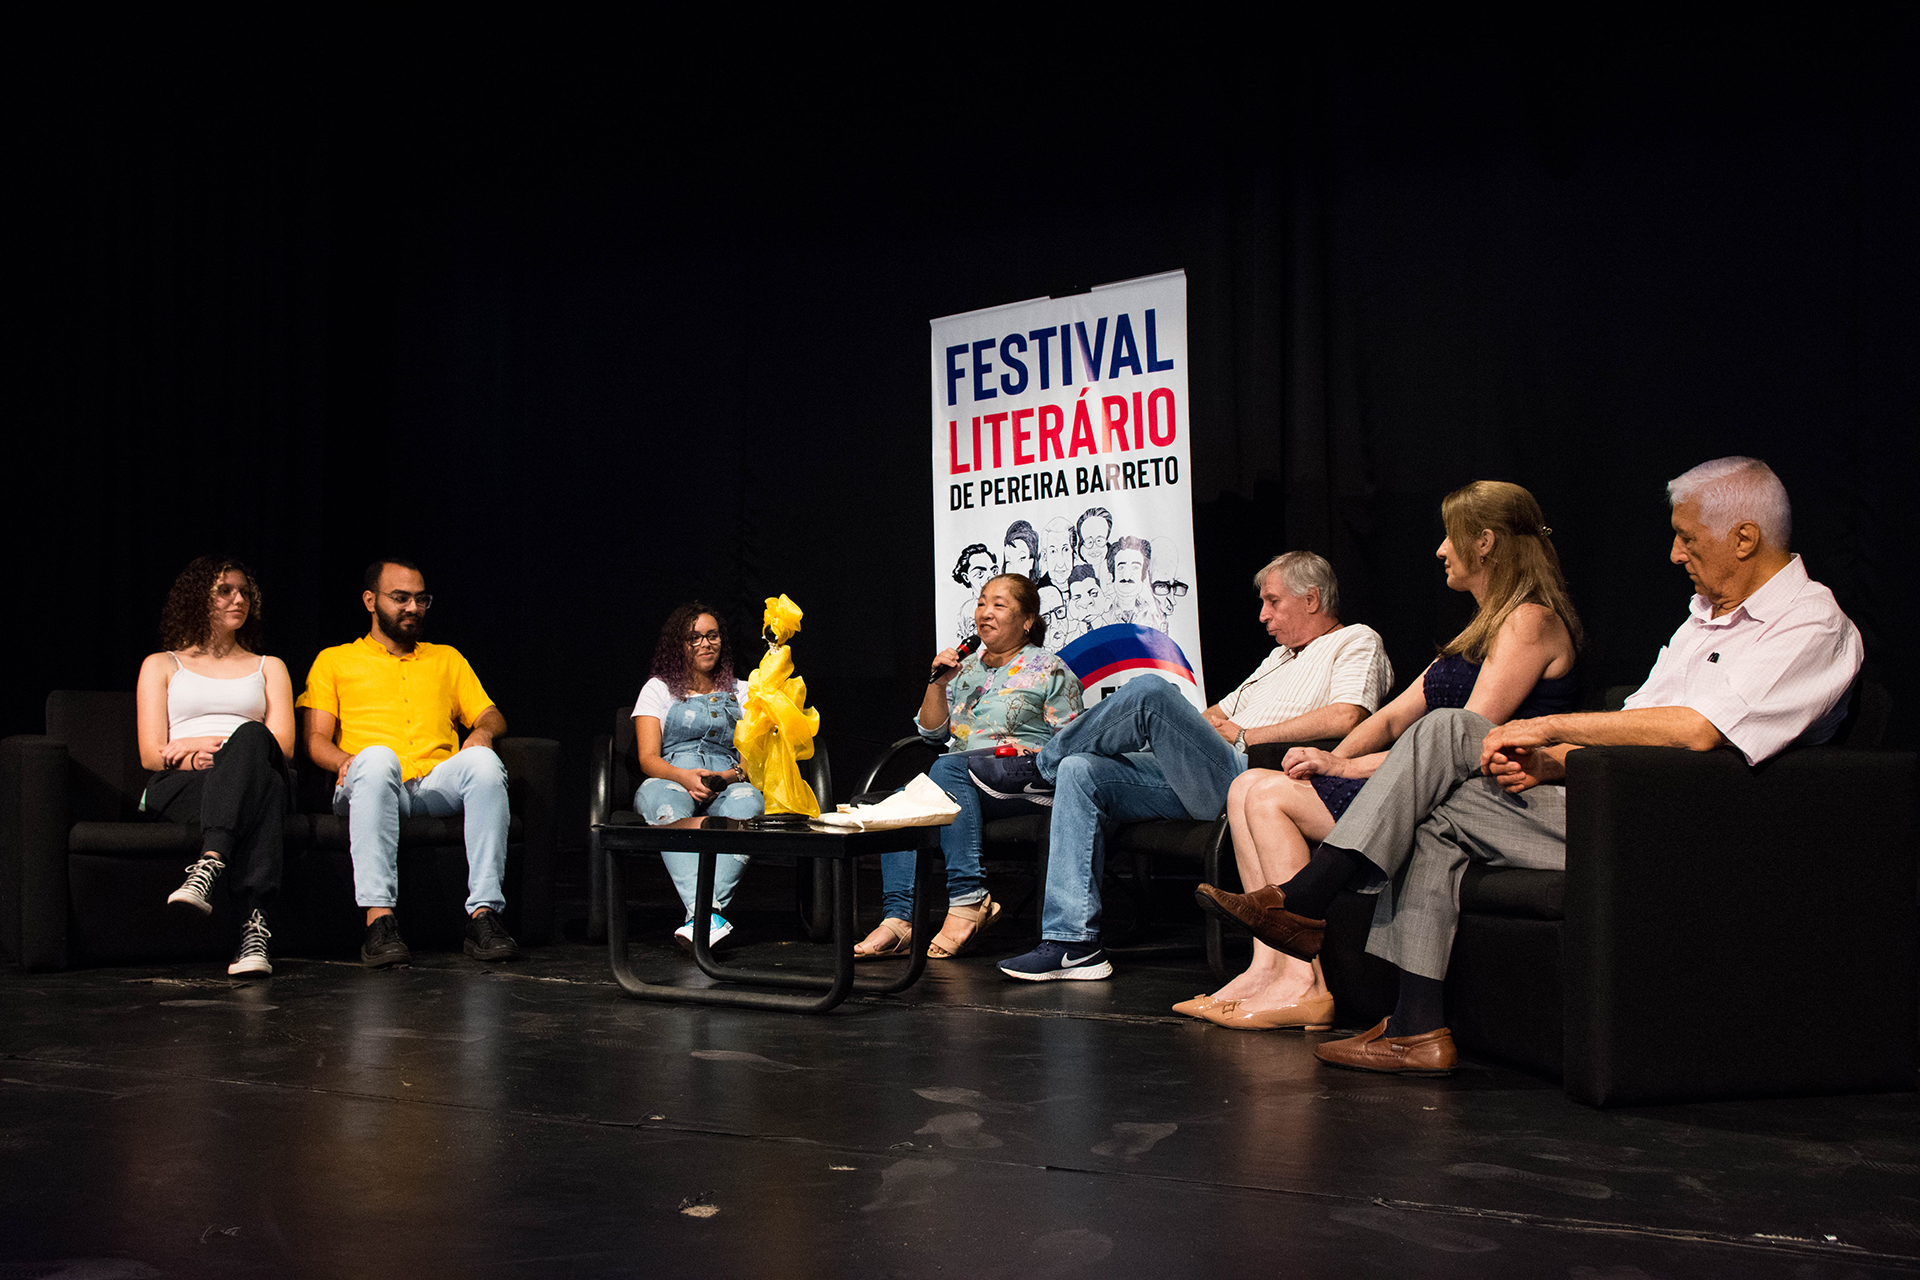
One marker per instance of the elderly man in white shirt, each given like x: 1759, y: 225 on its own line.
x: 1146, y: 753
x: 1763, y: 660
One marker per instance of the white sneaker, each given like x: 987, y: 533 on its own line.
x: 719, y: 928
x: 252, y: 955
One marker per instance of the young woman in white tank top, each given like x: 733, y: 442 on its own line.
x: 215, y: 723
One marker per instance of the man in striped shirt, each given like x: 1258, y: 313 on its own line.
x: 1763, y: 660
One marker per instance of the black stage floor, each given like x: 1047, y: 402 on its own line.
x: 455, y: 1119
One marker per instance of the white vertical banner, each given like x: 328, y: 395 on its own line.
x: 1060, y: 450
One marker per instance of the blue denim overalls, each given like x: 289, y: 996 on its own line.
x: 698, y: 734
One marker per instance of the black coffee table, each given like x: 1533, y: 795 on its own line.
x: 710, y: 837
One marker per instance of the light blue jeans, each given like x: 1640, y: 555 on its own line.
x: 959, y: 842
x: 373, y: 800
x: 661, y: 800
x: 1141, y: 753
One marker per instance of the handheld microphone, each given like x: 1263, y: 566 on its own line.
x: 966, y: 647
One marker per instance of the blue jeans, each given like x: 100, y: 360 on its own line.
x: 959, y: 841
x: 1142, y: 753
x: 373, y: 799
x: 661, y: 800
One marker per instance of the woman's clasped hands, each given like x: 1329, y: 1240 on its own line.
x: 190, y: 753
x: 1302, y: 763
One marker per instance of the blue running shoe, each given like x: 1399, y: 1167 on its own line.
x: 1014, y: 777
x: 1080, y: 960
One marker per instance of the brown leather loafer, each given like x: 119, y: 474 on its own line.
x: 1431, y: 1054
x: 1263, y: 913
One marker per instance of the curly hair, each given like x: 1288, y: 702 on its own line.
x: 966, y: 562
x: 670, y: 651
x: 186, y: 618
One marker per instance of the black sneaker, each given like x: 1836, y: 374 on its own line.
x: 383, y: 948
x: 488, y: 939
x: 195, y: 890
x: 1014, y: 777
x: 252, y: 955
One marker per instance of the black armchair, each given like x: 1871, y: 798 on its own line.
x: 1208, y: 843
x: 1022, y: 837
x: 617, y: 775
x: 83, y: 876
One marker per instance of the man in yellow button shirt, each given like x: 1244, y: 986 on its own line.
x: 384, y: 713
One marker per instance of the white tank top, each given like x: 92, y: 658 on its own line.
x: 203, y: 706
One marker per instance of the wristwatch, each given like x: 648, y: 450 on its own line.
x: 1240, y: 743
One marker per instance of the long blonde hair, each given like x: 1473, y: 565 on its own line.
x: 1523, y: 567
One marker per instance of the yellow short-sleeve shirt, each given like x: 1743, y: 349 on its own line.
x: 410, y: 703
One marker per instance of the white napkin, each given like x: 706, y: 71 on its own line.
x: 920, y: 804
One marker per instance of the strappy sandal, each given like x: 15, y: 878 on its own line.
x: 981, y: 915
x: 899, y: 943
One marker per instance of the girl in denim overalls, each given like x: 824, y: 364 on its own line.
x: 683, y: 725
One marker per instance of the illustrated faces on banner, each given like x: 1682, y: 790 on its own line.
x: 1089, y: 576
x: 971, y: 570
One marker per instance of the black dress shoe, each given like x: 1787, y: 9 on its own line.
x: 488, y: 939
x: 383, y: 948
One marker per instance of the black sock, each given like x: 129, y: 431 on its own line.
x: 1421, y: 1008
x: 1326, y: 873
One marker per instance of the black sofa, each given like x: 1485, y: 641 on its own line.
x: 1720, y: 932
x: 84, y: 876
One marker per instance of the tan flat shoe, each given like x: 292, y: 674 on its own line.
x: 981, y: 915
x: 898, y: 942
x: 1196, y: 1007
x: 1311, y: 1014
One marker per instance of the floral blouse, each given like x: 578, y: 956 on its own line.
x: 1026, y: 701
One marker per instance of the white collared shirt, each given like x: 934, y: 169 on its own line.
x: 1773, y: 671
x: 1348, y: 665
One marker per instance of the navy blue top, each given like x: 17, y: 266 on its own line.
x: 1449, y: 683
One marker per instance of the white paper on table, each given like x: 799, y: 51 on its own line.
x: 921, y: 803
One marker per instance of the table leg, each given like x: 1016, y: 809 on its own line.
x: 633, y: 985
x: 843, y: 923
x: 929, y: 861
x: 834, y: 988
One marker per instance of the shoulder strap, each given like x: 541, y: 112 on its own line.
x: 177, y: 664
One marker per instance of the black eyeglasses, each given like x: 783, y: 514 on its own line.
x: 404, y: 598
x: 1175, y: 588
x: 704, y: 639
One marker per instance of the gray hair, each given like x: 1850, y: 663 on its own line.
x: 1729, y: 490
x: 1301, y: 572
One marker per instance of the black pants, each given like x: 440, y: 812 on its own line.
x: 240, y: 807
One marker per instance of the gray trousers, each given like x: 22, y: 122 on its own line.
x: 1422, y: 815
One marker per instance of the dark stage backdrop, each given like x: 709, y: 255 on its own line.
x: 542, y: 323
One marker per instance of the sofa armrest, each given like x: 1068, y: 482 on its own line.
x: 1268, y: 755
x: 533, y: 784
x: 600, y: 803
x: 33, y: 850
x: 1720, y: 917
